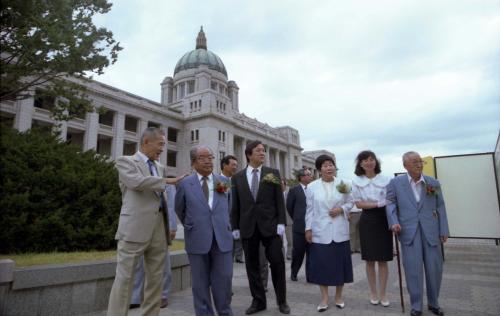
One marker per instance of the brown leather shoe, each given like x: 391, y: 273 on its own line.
x: 164, y: 303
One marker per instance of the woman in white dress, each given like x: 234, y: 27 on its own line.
x: 369, y: 191
x: 327, y: 230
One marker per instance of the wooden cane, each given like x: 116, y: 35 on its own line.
x: 399, y: 273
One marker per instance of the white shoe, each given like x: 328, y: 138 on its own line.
x: 322, y: 308
x: 374, y: 302
x: 385, y: 303
x: 340, y: 305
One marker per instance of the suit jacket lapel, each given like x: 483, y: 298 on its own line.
x: 196, y: 189
x: 245, y: 185
x: 143, y: 167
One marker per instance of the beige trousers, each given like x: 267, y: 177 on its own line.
x: 128, y: 254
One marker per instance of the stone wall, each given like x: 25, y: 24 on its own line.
x: 69, y: 289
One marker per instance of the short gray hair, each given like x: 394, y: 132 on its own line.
x: 151, y: 131
x: 407, y: 155
x: 193, y: 153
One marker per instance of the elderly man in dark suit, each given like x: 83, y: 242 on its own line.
x: 296, y: 207
x: 258, y: 215
x: 202, y: 204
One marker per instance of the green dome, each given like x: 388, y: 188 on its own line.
x: 197, y: 57
x: 200, y: 56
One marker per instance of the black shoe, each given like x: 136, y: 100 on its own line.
x: 132, y: 306
x: 294, y: 278
x: 254, y: 309
x: 284, y: 308
x: 436, y: 310
x: 415, y: 313
x: 239, y: 260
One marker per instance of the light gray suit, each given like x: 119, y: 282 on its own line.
x: 422, y: 224
x: 209, y: 244
x: 142, y: 231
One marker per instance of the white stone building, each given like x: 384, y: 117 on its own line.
x: 199, y: 105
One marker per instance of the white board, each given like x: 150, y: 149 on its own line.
x: 470, y: 192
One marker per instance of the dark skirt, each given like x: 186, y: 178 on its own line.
x: 375, y: 236
x: 329, y: 264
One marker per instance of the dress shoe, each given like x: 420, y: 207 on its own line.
x: 436, y: 310
x: 294, y: 278
x: 132, y: 306
x: 385, y: 303
x: 415, y: 313
x: 239, y: 261
x: 284, y: 308
x: 340, y: 305
x: 374, y: 302
x: 322, y: 308
x: 164, y: 303
x: 254, y: 309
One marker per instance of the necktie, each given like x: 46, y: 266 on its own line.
x: 154, y: 172
x: 204, y: 187
x: 255, y: 183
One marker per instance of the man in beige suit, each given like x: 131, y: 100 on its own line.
x: 143, y: 224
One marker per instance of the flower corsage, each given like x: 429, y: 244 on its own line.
x: 430, y: 190
x: 222, y: 187
x: 343, y: 187
x: 271, y: 179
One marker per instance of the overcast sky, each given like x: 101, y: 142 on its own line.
x: 390, y: 76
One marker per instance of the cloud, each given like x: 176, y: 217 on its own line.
x: 386, y: 75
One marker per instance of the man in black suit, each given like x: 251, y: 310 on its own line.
x: 296, y: 207
x: 258, y: 215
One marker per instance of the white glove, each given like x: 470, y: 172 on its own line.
x: 236, y: 234
x: 281, y: 229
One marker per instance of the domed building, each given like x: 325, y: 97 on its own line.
x: 199, y: 105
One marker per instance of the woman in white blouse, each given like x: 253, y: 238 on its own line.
x: 327, y: 230
x: 369, y: 191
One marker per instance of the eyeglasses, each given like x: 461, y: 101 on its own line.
x: 205, y: 158
x: 418, y: 162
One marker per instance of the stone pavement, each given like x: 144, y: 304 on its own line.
x: 471, y: 286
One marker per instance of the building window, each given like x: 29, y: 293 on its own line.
x: 195, y: 135
x: 75, y: 137
x: 131, y: 123
x: 295, y: 161
x: 190, y: 86
x: 222, y: 154
x: 222, y: 136
x: 153, y: 124
x: 43, y: 101
x: 171, y: 158
x: 295, y: 139
x: 129, y: 148
x: 182, y: 88
x: 213, y: 85
x: 107, y: 117
x: 104, y: 145
x: 172, y: 135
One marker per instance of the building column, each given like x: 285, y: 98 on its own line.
x: 119, y: 130
x: 243, y: 158
x: 24, y: 115
x: 277, y: 159
x: 91, y: 131
x: 287, y: 166
x: 266, y: 161
x: 61, y: 127
x: 163, y: 156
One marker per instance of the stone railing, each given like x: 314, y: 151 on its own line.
x: 69, y: 289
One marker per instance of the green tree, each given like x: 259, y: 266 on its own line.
x: 53, y: 196
x: 53, y: 44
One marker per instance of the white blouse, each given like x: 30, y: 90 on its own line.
x: 372, y: 190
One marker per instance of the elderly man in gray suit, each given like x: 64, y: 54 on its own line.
x: 202, y: 205
x: 143, y: 224
x: 416, y: 212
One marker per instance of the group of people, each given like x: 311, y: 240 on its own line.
x: 248, y: 208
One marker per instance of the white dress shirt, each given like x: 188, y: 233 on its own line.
x: 370, y: 190
x: 416, y: 187
x: 210, y: 182
x: 250, y: 174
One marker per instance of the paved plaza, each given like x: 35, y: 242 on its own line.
x: 471, y: 286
